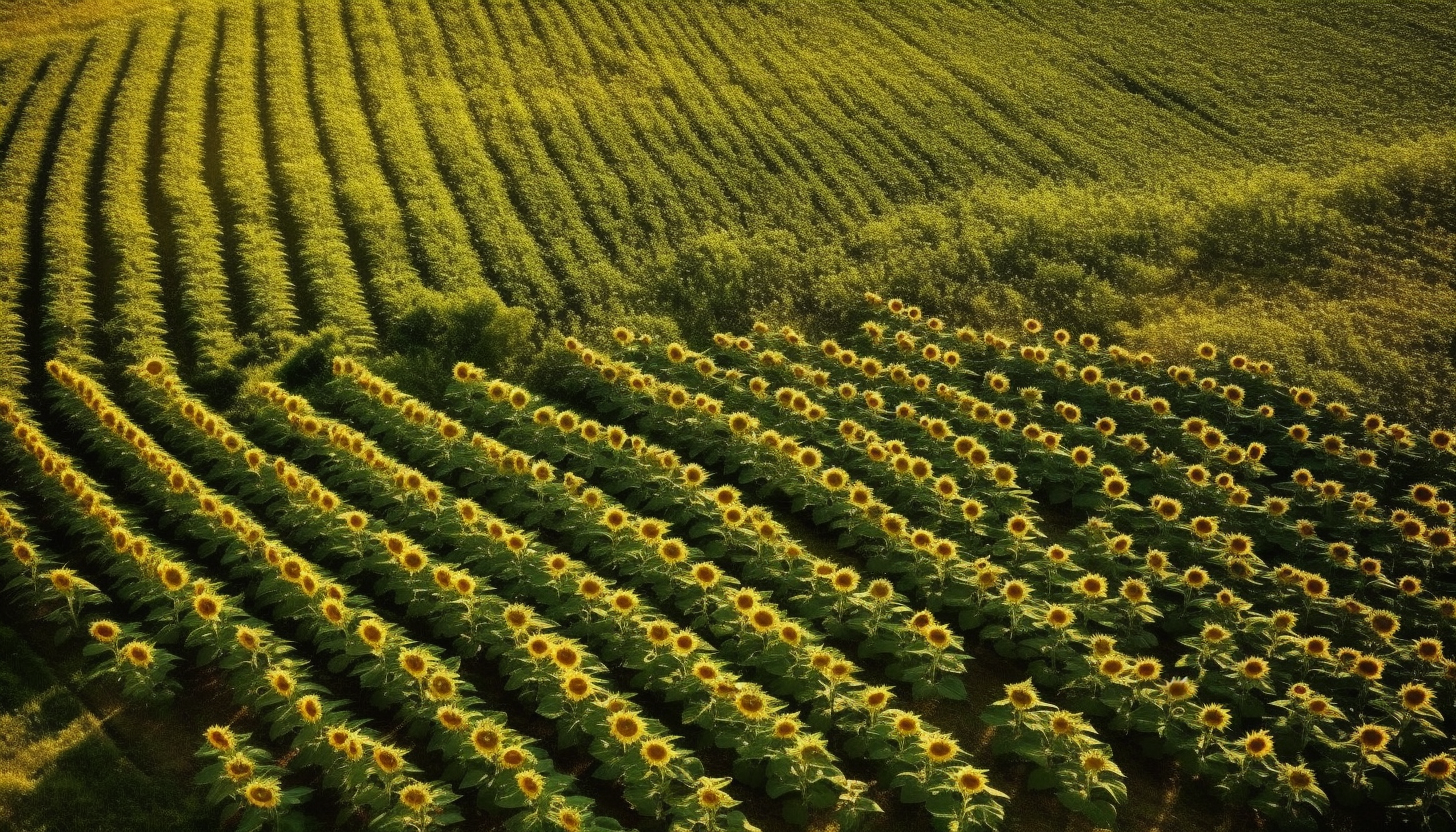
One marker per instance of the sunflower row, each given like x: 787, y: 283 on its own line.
x: 1413, y: 538
x: 661, y: 558
x: 821, y: 589
x: 559, y: 673
x: 674, y: 660
x: 1227, y: 404
x: 687, y: 427
x: 121, y: 652
x: 1238, y: 546
x: 367, y: 772
x: 1308, y: 492
x: 946, y: 403
x: 1115, y: 665
x: 847, y: 504
x: 245, y: 780
x: 409, y: 675
x: 931, y: 559
x: 906, y: 474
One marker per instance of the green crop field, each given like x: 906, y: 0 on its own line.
x: 741, y: 414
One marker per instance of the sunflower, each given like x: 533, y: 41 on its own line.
x: 414, y: 662
x: 1368, y: 667
x: 220, y: 738
x: 514, y: 757
x: 238, y: 768
x: 712, y: 798
x: 1415, y: 696
x: 173, y: 576
x: 1429, y: 650
x: 1059, y: 617
x: 1437, y: 767
x: 1015, y: 592
x: 1092, y: 586
x: 906, y: 725
x: 1372, y: 739
x: 452, y: 718
x: 625, y: 728
x: 416, y: 797
x: 751, y: 705
x: 970, y: 781
x: 1214, y: 717
x: 1179, y: 689
x: 1384, y: 624
x: 1258, y: 744
x: 1298, y: 778
x: 656, y: 753
x: 1022, y: 696
x: 372, y: 632
x: 262, y: 793
x: 309, y: 708
x: 531, y: 784
x: 1147, y: 669
x: 939, y: 748
x: 486, y: 739
x: 105, y: 631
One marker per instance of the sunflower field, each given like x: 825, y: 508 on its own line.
x: 591, y: 416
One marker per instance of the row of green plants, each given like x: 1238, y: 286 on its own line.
x: 190, y: 218
x: 427, y: 148
x: 69, y: 319
x: 265, y: 306
x: 326, y: 273
x: 442, y: 39
x: 130, y: 280
x: 366, y: 201
x: 830, y: 178
x: 636, y: 137
x: 604, y: 194
x: 20, y: 172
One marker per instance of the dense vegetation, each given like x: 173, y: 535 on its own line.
x: 646, y: 579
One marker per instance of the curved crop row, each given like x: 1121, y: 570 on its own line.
x: 305, y: 185
x: 210, y: 343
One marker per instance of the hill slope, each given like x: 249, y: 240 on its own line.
x: 271, y: 168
